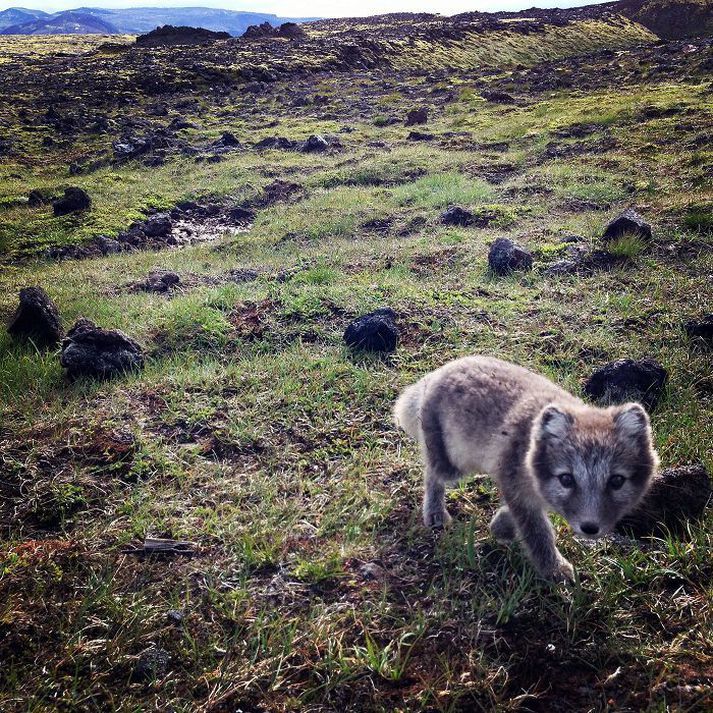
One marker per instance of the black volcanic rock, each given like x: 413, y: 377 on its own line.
x: 169, y: 35
x: 373, y: 332
x: 676, y: 497
x: 628, y: 380
x: 700, y: 329
x: 75, y: 199
x: 151, y: 665
x: 417, y: 116
x: 315, y: 144
x: 497, y: 97
x: 628, y: 223
x: 287, y: 30
x: 36, y: 318
x: 88, y: 350
x: 161, y: 281
x: 455, y: 215
x: 158, y: 226
x: 506, y: 257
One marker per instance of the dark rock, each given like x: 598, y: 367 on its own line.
x: 161, y: 281
x: 677, y: 496
x: 374, y: 332
x: 37, y: 197
x: 276, y: 142
x: 174, y: 616
x: 151, y: 665
x: 243, y: 274
x: 276, y: 191
x: 497, y: 97
x: 417, y: 116
x: 36, y: 318
x: 158, y: 226
x: 228, y: 140
x: 75, y: 199
x: 108, y: 246
x: 169, y: 35
x: 506, y: 257
x: 562, y: 267
x: 288, y: 30
x: 315, y: 144
x: 628, y: 223
x: 419, y: 136
x: 628, y: 380
x: 700, y: 329
x: 455, y: 215
x: 240, y: 215
x: 88, y: 350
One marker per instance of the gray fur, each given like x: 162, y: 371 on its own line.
x: 483, y: 415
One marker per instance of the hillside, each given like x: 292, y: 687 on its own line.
x: 213, y: 511
x: 129, y: 21
x: 671, y: 19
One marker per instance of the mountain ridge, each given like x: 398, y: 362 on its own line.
x: 131, y: 21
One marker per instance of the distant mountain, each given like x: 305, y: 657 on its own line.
x: 132, y: 21
x: 19, y: 16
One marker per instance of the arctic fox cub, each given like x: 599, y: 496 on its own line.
x: 546, y: 449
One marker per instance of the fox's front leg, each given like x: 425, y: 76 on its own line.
x: 536, y: 533
x: 434, y: 499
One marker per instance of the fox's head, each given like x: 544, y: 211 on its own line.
x: 592, y: 465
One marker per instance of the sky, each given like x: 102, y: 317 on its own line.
x: 313, y: 8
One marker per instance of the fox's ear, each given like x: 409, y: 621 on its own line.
x: 632, y: 421
x: 554, y: 422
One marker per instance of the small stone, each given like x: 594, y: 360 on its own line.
x: 152, y: 665
x: 315, y: 144
x: 455, y: 215
x: 701, y: 329
x: 628, y: 380
x: 497, y: 97
x: 175, y: 616
x: 88, y: 350
x: 371, y: 571
x: 506, y: 257
x: 419, y: 136
x: 373, y: 332
x: 161, y: 281
x: 36, y: 318
x: 417, y: 116
x: 108, y: 246
x: 676, y: 497
x: 241, y: 215
x: 228, y: 139
x: 158, y: 226
x: 75, y: 199
x: 628, y: 223
x: 243, y: 274
x: 36, y: 198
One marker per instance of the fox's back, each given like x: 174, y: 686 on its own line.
x: 485, y: 406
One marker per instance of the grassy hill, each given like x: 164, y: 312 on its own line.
x: 253, y: 432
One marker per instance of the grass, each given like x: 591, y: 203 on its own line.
x: 254, y: 433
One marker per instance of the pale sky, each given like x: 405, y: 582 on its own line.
x: 312, y: 8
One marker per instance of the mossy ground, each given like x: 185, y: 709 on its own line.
x: 255, y: 434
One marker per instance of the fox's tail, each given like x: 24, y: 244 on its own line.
x: 407, y: 409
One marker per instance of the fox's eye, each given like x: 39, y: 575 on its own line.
x: 566, y: 480
x: 616, y: 481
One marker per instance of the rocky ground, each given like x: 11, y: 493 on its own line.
x: 204, y: 504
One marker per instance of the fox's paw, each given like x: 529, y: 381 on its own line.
x: 436, y: 519
x: 563, y: 572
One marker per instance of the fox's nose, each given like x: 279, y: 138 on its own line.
x: 590, y: 528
